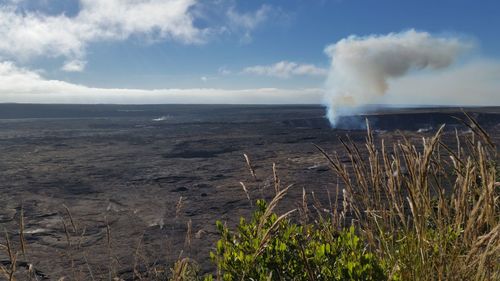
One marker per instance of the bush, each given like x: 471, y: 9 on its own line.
x: 272, y: 247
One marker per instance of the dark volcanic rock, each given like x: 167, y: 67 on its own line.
x: 118, y: 171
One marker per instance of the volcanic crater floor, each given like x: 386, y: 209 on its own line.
x: 122, y: 171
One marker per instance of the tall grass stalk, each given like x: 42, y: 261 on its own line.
x: 430, y: 211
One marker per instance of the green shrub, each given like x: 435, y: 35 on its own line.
x: 272, y: 247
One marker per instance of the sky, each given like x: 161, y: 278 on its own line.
x: 229, y: 51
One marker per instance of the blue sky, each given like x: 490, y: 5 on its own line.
x: 224, y: 44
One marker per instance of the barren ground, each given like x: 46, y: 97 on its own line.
x: 127, y: 167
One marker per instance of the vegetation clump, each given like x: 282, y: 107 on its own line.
x: 272, y: 247
x: 409, y: 212
x: 429, y: 212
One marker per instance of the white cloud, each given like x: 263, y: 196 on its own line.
x: 286, y: 69
x: 27, y: 34
x: 74, y: 66
x: 22, y: 85
x: 248, y: 21
x: 224, y: 71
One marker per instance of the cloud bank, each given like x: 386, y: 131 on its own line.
x: 362, y: 67
x: 286, y: 69
x: 25, y: 86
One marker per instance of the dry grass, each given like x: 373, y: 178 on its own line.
x: 431, y: 212
x: 250, y: 167
x: 245, y: 189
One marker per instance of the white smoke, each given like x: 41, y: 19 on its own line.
x: 361, y: 67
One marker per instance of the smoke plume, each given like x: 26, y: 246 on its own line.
x: 361, y: 67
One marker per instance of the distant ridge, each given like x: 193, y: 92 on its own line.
x: 29, y: 110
